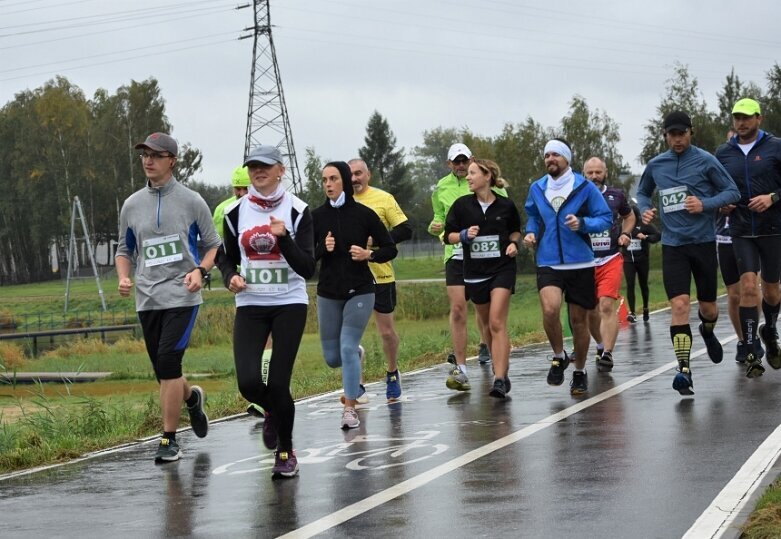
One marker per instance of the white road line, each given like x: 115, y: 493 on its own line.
x: 716, y: 520
x: 343, y: 515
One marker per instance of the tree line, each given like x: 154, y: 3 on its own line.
x: 57, y: 144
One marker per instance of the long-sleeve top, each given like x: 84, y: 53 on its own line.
x: 676, y: 176
x: 637, y: 250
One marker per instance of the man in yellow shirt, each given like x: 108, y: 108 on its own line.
x: 386, y: 207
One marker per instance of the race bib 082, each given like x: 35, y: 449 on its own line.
x: 485, y: 247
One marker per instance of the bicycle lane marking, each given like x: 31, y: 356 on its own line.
x: 716, y: 520
x: 353, y: 510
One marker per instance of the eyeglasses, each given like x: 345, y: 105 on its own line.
x: 153, y: 155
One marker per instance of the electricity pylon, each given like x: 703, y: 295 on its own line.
x: 267, y: 118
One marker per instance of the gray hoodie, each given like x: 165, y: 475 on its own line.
x: 160, y: 230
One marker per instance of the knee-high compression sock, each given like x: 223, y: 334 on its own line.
x: 707, y: 325
x: 748, y: 323
x: 770, y: 312
x: 682, y: 344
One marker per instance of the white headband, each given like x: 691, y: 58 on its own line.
x: 556, y: 146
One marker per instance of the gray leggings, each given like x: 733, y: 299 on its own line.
x: 342, y: 323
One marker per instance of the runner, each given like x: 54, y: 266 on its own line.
x: 637, y: 263
x: 240, y: 183
x: 753, y: 159
x: 608, y: 263
x: 692, y: 185
x: 391, y: 215
x: 489, y: 227
x: 448, y: 189
x: 563, y: 208
x: 269, y: 236
x: 345, y: 289
x: 160, y: 229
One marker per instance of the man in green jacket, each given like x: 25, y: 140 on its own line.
x: 240, y: 184
x: 448, y: 189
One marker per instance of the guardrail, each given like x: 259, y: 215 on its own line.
x: 35, y: 335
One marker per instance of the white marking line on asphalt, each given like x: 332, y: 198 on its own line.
x: 716, y: 520
x: 343, y: 515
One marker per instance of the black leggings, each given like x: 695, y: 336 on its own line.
x: 251, y: 330
x: 639, y: 268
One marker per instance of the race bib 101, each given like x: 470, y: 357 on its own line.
x: 266, y: 276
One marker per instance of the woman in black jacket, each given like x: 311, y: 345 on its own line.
x: 345, y: 289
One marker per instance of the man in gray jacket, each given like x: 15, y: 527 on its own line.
x: 160, y: 229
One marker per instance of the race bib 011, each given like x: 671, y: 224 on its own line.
x: 164, y: 250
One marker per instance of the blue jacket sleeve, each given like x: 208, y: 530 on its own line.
x: 645, y: 189
x: 600, y: 216
x: 532, y: 214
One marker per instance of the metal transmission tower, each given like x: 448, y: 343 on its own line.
x: 267, y: 118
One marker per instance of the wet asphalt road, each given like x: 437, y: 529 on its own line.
x: 632, y: 459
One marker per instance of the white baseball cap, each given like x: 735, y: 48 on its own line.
x: 458, y: 149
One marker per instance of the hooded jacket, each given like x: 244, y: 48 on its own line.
x: 758, y: 173
x: 556, y: 243
x: 341, y: 277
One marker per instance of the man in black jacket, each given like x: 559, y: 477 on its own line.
x: 753, y: 159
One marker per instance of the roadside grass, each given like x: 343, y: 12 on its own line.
x: 765, y: 521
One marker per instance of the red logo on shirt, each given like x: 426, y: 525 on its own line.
x: 260, y: 244
x: 757, y: 157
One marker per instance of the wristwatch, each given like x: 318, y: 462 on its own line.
x: 773, y: 197
x: 203, y: 271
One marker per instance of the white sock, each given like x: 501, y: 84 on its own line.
x: 462, y: 368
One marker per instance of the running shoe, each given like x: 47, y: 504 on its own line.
x: 362, y: 398
x: 484, y: 356
x: 350, y: 419
x: 451, y: 358
x: 255, y: 410
x: 498, y: 390
x: 605, y: 362
x: 269, y: 433
x: 507, y: 384
x: 556, y: 371
x: 285, y: 464
x: 682, y: 383
x: 392, y: 385
x: 597, y: 356
x: 646, y: 315
x: 758, y: 350
x: 769, y: 336
x: 167, y: 451
x: 579, y: 384
x: 631, y: 318
x: 754, y: 367
x: 198, y: 419
x: 715, y: 351
x: 458, y: 380
x: 741, y: 352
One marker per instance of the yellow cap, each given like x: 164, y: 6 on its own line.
x: 746, y: 106
x: 240, y: 177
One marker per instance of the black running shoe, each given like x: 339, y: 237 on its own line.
x: 167, y: 451
x: 715, y: 352
x: 484, y: 356
x: 198, y: 419
x: 507, y: 384
x: 631, y: 318
x: 682, y: 383
x: 499, y: 390
x: 740, y: 354
x: 451, y: 358
x: 579, y: 384
x: 769, y: 336
x: 556, y: 371
x: 605, y: 362
x: 646, y: 315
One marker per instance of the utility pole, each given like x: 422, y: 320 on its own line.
x: 267, y: 118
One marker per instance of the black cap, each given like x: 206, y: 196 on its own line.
x: 677, y: 121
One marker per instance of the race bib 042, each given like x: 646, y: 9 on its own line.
x: 671, y: 199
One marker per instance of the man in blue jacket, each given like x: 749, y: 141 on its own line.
x: 692, y: 185
x: 563, y: 208
x: 753, y: 159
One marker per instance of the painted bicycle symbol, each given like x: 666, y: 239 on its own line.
x: 400, y: 452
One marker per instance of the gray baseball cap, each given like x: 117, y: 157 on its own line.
x: 268, y: 155
x: 160, y: 142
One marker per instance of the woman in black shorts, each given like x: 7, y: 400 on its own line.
x: 489, y: 228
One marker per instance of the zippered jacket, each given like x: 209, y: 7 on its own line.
x: 674, y: 177
x: 758, y: 173
x: 556, y: 243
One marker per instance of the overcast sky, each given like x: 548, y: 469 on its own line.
x: 422, y: 64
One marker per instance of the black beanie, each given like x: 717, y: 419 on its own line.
x: 347, y: 177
